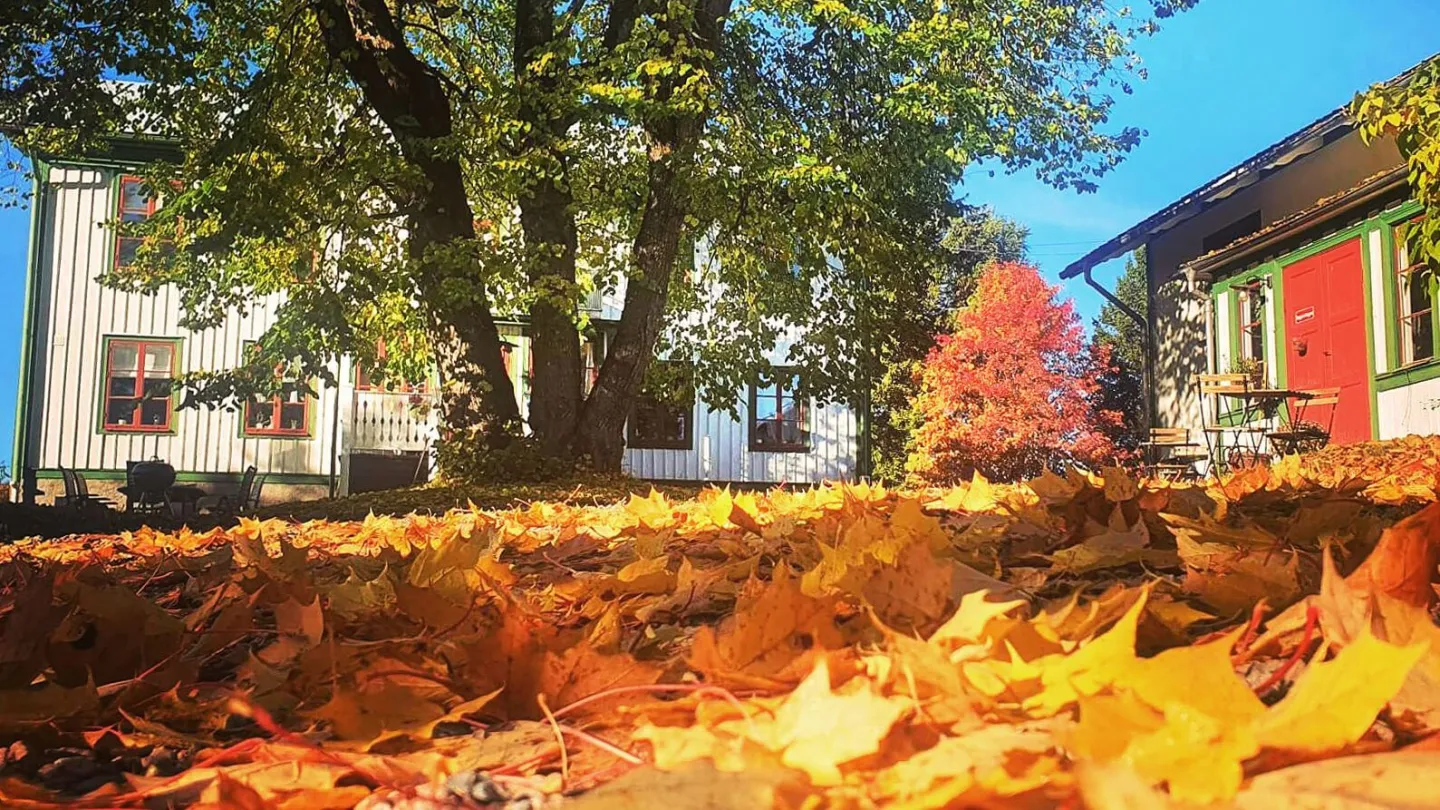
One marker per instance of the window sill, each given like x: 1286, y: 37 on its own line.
x: 779, y: 448
x: 249, y: 434
x: 123, y: 429
x: 658, y: 445
x: 1409, y: 375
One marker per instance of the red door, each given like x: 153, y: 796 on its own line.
x: 1325, y: 335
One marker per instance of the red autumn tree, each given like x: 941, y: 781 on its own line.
x: 1013, y: 389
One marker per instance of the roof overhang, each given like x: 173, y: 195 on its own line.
x: 1320, y: 133
x: 1365, y: 195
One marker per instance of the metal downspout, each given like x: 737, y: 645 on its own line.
x: 1149, y: 370
x: 23, y: 474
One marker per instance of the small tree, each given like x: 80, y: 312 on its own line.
x: 976, y: 238
x: 1013, y: 389
x: 1122, y: 385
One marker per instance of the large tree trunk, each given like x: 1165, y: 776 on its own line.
x: 547, y: 220
x: 363, y: 37
x: 673, y: 142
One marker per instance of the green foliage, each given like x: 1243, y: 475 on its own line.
x: 1408, y: 110
x: 465, y: 458
x: 813, y: 152
x: 974, y: 239
x: 1122, y: 385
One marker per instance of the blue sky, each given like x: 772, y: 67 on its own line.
x: 1226, y: 79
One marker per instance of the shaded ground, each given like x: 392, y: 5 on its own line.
x: 1078, y: 641
x: 18, y: 520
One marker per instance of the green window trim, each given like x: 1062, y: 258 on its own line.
x: 278, y: 434
x: 184, y: 477
x: 1390, y: 266
x: 177, y: 346
x: 1226, y: 293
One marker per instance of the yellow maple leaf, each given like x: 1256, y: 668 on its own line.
x: 818, y: 730
x: 1334, y: 702
x: 1064, y: 678
x: 969, y: 621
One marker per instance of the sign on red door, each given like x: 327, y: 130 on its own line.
x: 1325, y: 336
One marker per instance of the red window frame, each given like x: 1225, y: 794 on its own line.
x: 275, y: 428
x: 151, y: 204
x: 650, y: 410
x: 1407, y: 321
x: 364, y: 383
x: 139, y: 398
x: 276, y: 425
x: 782, y: 390
x: 1252, y: 331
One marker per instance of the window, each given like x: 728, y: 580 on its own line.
x: 779, y: 418
x: 138, y: 377
x: 286, y: 414
x: 134, y: 206
x: 1252, y: 321
x: 1228, y: 235
x: 1414, y: 306
x: 592, y: 354
x: 401, y: 386
x: 662, y: 418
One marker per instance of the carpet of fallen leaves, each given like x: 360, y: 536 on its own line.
x: 1078, y: 641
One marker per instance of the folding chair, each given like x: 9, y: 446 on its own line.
x: 77, y: 492
x: 1213, y: 389
x: 1302, y: 435
x: 1170, y: 454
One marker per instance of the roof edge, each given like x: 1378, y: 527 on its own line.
x: 1249, y: 171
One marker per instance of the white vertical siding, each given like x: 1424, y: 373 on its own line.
x: 1378, y: 279
x: 1412, y: 409
x: 720, y: 451
x: 1272, y: 317
x: 75, y: 314
x: 1224, y: 309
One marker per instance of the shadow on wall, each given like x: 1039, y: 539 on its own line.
x: 1180, y: 355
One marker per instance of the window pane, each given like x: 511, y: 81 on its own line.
x: 792, y: 411
x: 765, y: 435
x: 292, y: 416
x: 122, y: 386
x: 1419, y: 293
x: 158, y: 357
x: 792, y: 433
x: 124, y: 357
x: 155, y: 412
x: 119, y: 412
x: 1422, y: 344
x: 129, y: 246
x: 765, y: 405
x: 259, y: 414
x: 133, y: 197
x: 157, y: 388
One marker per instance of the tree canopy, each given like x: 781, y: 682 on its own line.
x: 1408, y: 110
x: 406, y: 172
x: 1122, y: 385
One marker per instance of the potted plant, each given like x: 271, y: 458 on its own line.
x: 1252, y: 368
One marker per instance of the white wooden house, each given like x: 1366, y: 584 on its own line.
x: 90, y: 354
x: 1292, y: 264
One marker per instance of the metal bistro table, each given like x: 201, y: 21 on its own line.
x: 1263, y: 404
